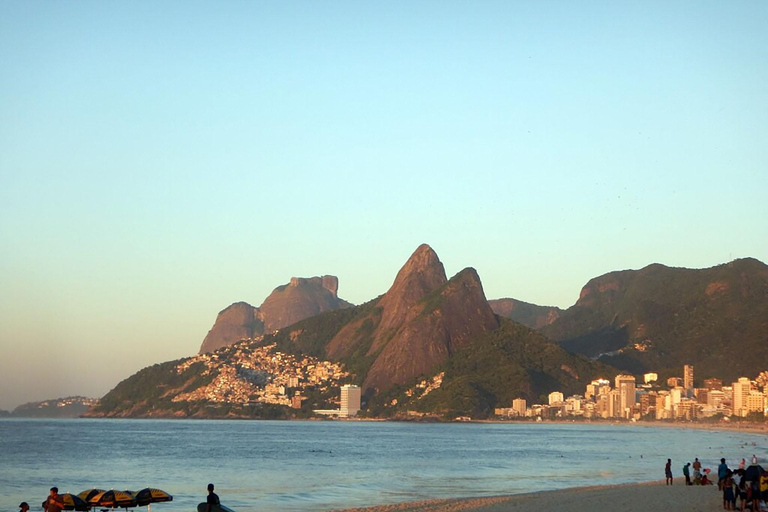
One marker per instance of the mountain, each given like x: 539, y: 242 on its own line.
x: 417, y: 324
x: 287, y: 304
x: 429, y: 344
x: 69, y: 407
x: 525, y: 313
x: 659, y: 318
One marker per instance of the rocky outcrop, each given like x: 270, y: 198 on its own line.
x: 530, y: 315
x: 299, y: 299
x: 416, y: 326
x: 234, y: 323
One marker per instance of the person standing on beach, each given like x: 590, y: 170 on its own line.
x: 722, y: 471
x: 23, y: 506
x: 212, y: 500
x: 729, y: 498
x: 54, y: 502
x: 687, y: 474
x: 668, y: 471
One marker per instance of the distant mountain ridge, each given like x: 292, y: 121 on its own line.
x: 659, y: 318
x: 530, y: 315
x: 287, y: 304
x: 69, y: 407
x: 429, y: 344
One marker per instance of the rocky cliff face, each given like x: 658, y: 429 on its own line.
x: 417, y: 324
x: 530, y: 315
x: 236, y: 322
x: 286, y: 305
x: 300, y: 299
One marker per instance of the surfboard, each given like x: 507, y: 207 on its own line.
x: 203, y: 507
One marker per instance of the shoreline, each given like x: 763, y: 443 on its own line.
x: 652, y: 496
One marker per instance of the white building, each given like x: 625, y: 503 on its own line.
x: 741, y: 390
x: 555, y: 397
x: 350, y: 400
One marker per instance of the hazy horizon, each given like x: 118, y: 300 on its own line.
x: 159, y: 162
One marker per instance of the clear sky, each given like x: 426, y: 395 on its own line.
x: 161, y: 160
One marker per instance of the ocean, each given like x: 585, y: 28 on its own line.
x: 286, y: 466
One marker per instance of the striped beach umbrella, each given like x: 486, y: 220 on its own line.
x: 114, y: 499
x: 87, y: 494
x: 74, y: 502
x: 151, y: 495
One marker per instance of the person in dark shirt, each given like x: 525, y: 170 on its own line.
x: 213, y: 499
x: 54, y: 503
x: 668, y: 471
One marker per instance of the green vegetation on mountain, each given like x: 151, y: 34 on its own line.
x: 432, y: 345
x: 660, y: 318
x: 152, y: 388
x: 496, y: 367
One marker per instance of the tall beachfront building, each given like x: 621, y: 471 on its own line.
x: 625, y: 385
x: 350, y: 400
x: 688, y: 380
x: 519, y: 405
x: 741, y: 390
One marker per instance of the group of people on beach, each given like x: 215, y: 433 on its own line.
x: 55, y: 503
x: 749, y: 484
x: 699, y: 477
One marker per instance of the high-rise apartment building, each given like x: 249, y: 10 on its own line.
x: 625, y: 385
x: 350, y: 400
x: 688, y: 380
x: 741, y: 396
x: 519, y: 405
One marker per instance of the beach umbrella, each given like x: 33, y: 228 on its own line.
x: 150, y: 495
x: 74, y: 502
x: 114, y: 499
x: 753, y: 472
x: 87, y: 494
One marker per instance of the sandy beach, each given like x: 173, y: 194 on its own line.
x: 646, y: 497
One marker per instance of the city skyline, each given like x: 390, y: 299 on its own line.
x: 160, y: 162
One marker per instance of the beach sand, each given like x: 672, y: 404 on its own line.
x: 646, y: 497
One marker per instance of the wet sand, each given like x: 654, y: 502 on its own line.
x: 646, y: 497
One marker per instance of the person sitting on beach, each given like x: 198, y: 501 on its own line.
x: 687, y: 474
x: 705, y: 480
x: 668, y: 471
x: 23, y: 506
x: 696, y: 471
x: 212, y: 500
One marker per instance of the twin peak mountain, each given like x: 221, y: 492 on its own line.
x: 653, y: 319
x: 415, y: 326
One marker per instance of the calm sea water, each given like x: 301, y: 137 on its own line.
x: 311, y: 466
